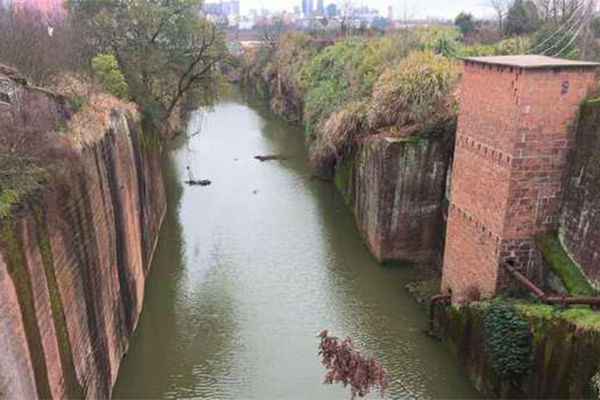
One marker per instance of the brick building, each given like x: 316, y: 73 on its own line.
x: 515, y: 130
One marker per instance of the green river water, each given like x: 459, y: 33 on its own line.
x: 248, y: 270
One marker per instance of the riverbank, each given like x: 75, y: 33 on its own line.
x: 563, y: 350
x: 75, y: 247
x: 250, y: 268
x: 376, y: 125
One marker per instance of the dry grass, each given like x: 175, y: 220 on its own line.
x: 29, y: 161
x: 72, y: 86
x: 93, y: 109
x: 419, y: 92
x: 91, y: 123
x: 336, y: 135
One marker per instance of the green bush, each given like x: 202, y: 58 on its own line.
x: 321, y: 102
x: 550, y: 40
x: 418, y: 93
x: 339, y: 74
x: 440, y: 40
x: 514, y: 46
x: 107, y: 73
x: 478, y: 50
x: 18, y: 184
x: 508, y: 341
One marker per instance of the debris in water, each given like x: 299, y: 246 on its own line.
x: 194, y: 182
x: 270, y: 158
x: 204, y: 182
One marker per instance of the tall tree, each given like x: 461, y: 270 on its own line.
x: 558, y: 11
x: 165, y: 50
x: 500, y: 7
x: 522, y: 18
x: 465, y: 22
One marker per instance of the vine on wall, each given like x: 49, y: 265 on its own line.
x: 508, y: 341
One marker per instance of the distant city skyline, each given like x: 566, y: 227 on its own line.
x: 412, y: 8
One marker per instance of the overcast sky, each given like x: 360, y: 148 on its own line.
x: 418, y: 8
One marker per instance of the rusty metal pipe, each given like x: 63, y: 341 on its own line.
x: 592, y: 301
x: 552, y: 300
x: 522, y: 279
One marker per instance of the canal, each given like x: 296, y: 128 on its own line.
x: 249, y: 269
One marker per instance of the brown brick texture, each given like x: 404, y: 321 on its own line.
x: 515, y: 130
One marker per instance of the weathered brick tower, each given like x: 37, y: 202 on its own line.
x: 515, y: 130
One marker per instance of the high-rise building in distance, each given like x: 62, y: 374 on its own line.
x: 223, y: 8
x: 321, y: 7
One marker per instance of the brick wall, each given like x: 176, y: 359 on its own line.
x: 514, y: 134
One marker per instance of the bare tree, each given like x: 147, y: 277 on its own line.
x: 409, y: 12
x: 271, y: 33
x: 558, y: 11
x: 167, y: 53
x: 35, y: 45
x: 349, y: 367
x: 501, y: 8
x: 347, y: 17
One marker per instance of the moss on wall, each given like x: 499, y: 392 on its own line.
x: 12, y: 247
x: 589, y: 125
x: 422, y: 291
x: 72, y: 386
x: 343, y: 179
x: 565, y: 350
x: 580, y: 218
x: 561, y: 264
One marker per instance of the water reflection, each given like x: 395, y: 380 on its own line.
x: 250, y: 268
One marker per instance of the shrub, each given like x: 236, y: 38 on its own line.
x: 508, y: 341
x: 321, y: 102
x: 107, y: 73
x: 440, y: 40
x: 514, y: 46
x: 419, y: 92
x: 336, y: 136
x: 550, y: 40
x: 77, y: 89
x: 339, y: 74
x: 445, y: 45
x: 478, y: 50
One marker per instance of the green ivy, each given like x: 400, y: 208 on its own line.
x: 508, y: 341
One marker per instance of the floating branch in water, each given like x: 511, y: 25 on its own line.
x: 204, y: 182
x: 270, y: 158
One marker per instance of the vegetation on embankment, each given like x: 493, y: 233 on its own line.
x: 580, y: 225
x: 339, y: 89
x: 45, y: 134
x: 541, y: 351
x: 403, y: 83
x: 153, y: 58
x: 162, y: 55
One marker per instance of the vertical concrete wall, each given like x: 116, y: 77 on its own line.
x: 515, y: 130
x: 580, y: 217
x: 395, y: 187
x: 74, y: 258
